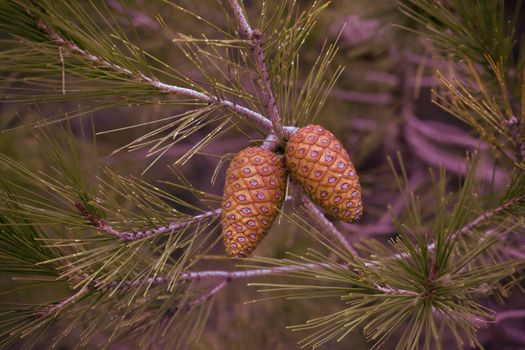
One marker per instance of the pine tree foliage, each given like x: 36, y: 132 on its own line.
x: 416, y: 281
x: 491, y: 99
x: 124, y: 258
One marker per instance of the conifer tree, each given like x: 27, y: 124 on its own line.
x: 119, y: 120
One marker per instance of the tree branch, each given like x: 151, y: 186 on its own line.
x: 269, y: 97
x: 206, y: 296
x: 395, y: 291
x: 258, y: 53
x: 464, y: 229
x: 103, y: 226
x: 319, y: 218
x: 485, y: 216
x: 211, y: 274
x: 151, y: 81
x: 310, y: 209
x: 233, y: 275
x: 244, y: 26
x: 272, y: 271
x: 51, y: 309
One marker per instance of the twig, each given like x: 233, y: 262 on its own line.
x: 463, y: 230
x: 206, y: 296
x: 395, y: 291
x: 318, y: 217
x: 258, y: 53
x: 485, y: 216
x: 269, y: 98
x: 198, y: 301
x: 103, y: 226
x: 316, y: 214
x: 233, y: 275
x: 270, y: 142
x: 48, y: 311
x: 153, y: 82
x: 244, y: 26
x: 228, y: 276
x: 207, y: 274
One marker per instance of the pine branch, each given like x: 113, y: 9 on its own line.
x: 228, y: 276
x: 233, y: 275
x: 52, y: 309
x: 200, y: 300
x: 269, y: 98
x: 487, y: 215
x: 103, y: 226
x: 395, y: 291
x: 212, y: 274
x: 255, y: 36
x: 151, y: 81
x: 241, y: 19
x: 319, y: 219
x: 207, y: 296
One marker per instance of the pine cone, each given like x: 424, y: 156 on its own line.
x: 317, y: 160
x: 253, y: 193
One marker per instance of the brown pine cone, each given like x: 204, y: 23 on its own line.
x: 317, y: 160
x: 253, y: 193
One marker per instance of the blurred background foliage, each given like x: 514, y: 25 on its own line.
x: 382, y: 106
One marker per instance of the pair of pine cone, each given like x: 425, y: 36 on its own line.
x: 256, y: 181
